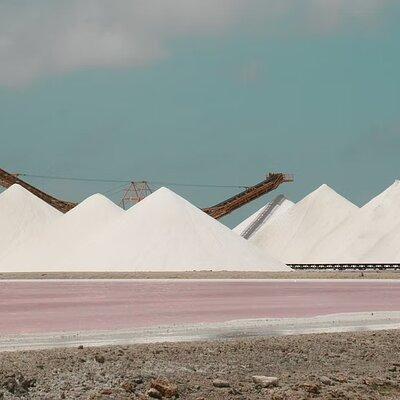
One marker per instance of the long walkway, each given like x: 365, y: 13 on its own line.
x: 68, y: 306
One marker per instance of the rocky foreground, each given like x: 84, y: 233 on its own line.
x: 327, y: 366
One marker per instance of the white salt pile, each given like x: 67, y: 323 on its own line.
x: 284, y: 206
x: 23, y: 217
x: 53, y: 246
x: 292, y: 236
x: 164, y: 232
x: 370, y: 235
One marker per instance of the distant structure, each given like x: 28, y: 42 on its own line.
x: 138, y: 190
x: 135, y: 192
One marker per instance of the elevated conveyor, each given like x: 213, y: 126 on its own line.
x: 7, y: 180
x: 272, y: 181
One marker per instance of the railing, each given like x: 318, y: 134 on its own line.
x: 262, y: 216
x: 345, y: 266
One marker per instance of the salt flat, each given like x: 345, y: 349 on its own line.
x: 347, y: 322
x: 85, y: 305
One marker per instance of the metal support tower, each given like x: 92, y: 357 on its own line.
x: 135, y: 192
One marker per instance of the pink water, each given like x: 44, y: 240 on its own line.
x: 49, y: 306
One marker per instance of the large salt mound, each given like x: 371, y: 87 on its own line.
x: 164, y: 232
x: 286, y: 204
x: 50, y: 249
x: 370, y: 235
x: 292, y: 235
x: 23, y: 217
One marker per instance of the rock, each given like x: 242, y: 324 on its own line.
x: 106, y: 391
x: 99, y: 358
x: 265, y: 381
x: 17, y: 384
x: 341, y: 378
x: 166, y: 388
x: 128, y: 387
x: 326, y: 381
x: 138, y: 380
x: 154, y: 393
x: 311, y: 387
x: 220, y: 383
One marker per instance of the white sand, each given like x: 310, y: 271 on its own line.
x: 23, y: 217
x: 239, y: 229
x: 293, y: 235
x: 50, y: 249
x: 164, y: 232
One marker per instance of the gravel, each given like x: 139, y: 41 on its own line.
x: 326, y: 366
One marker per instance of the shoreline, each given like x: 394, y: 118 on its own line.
x: 217, y: 275
x: 194, y: 332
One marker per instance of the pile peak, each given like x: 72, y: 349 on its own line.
x: 373, y: 234
x: 15, y: 189
x: 164, y: 232
x: 292, y: 235
x: 53, y: 244
x: 18, y: 198
x: 95, y: 202
x: 23, y: 216
x: 324, y: 190
x: 18, y: 193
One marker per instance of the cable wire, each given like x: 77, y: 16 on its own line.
x: 157, y: 183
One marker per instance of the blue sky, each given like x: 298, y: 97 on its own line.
x: 212, y: 92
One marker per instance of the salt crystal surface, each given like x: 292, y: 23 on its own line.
x: 59, y: 239
x: 23, y: 217
x: 164, y: 232
x: 370, y: 235
x: 293, y: 235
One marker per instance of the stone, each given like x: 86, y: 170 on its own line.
x: 129, y: 387
x: 265, y: 381
x: 220, y: 383
x: 165, y: 387
x: 326, y: 381
x: 99, y: 358
x: 311, y: 387
x: 17, y: 384
x: 154, y: 393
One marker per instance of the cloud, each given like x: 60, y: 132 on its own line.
x: 43, y: 37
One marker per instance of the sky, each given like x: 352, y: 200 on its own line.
x: 217, y: 92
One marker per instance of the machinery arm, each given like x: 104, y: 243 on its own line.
x: 7, y: 180
x: 272, y: 182
x: 218, y: 211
